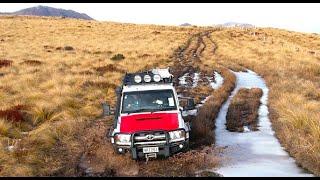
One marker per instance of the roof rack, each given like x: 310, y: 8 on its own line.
x: 154, y: 76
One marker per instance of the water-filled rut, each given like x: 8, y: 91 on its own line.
x: 252, y: 153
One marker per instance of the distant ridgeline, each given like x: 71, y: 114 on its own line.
x: 49, y: 11
x: 235, y: 24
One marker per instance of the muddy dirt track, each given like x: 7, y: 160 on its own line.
x: 98, y: 157
x: 186, y: 59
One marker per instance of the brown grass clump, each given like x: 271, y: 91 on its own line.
x: 66, y: 48
x: 99, y: 84
x: 32, y: 62
x: 87, y: 72
x: 117, y: 57
x: 243, y: 110
x: 14, y: 114
x: 144, y: 56
x: 204, y: 124
x: 5, y: 63
x: 200, y: 92
x: 109, y: 68
x: 5, y: 126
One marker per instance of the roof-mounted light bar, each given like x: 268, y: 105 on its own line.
x: 152, y: 76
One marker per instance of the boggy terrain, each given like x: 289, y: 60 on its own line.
x: 55, y: 72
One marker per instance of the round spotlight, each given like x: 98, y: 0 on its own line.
x: 120, y: 150
x: 180, y: 146
x: 156, y: 78
x: 147, y: 78
x: 137, y: 79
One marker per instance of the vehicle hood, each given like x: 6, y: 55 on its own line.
x: 149, y: 121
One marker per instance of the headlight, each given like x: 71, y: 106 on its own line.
x: 123, y: 139
x: 178, y: 135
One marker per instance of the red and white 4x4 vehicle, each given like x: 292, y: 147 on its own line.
x: 148, y: 120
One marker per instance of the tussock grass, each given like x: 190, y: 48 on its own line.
x: 5, y: 126
x: 5, y: 63
x: 243, y: 110
x: 43, y: 114
x: 14, y: 113
x: 117, y: 57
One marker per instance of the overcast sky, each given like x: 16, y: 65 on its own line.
x: 296, y: 17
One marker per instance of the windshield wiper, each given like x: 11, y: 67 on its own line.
x: 142, y: 110
x: 167, y: 109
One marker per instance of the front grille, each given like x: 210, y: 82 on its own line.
x: 149, y: 138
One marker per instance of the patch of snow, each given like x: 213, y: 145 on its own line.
x: 10, y: 148
x: 218, y: 80
x: 180, y: 96
x: 192, y: 112
x: 246, y: 129
x: 182, y: 79
x: 196, y: 76
x: 164, y: 73
x: 254, y: 153
x: 203, y: 101
x: 195, y: 79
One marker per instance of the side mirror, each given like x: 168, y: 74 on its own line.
x: 109, y: 134
x: 107, y: 110
x: 118, y: 91
x: 190, y: 104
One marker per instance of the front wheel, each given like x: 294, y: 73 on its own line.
x: 186, y: 146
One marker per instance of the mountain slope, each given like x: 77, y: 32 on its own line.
x: 49, y: 11
x: 186, y: 24
x: 236, y: 24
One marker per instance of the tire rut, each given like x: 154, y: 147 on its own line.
x: 186, y: 59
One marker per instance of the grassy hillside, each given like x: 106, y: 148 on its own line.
x: 61, y: 87
x: 55, y: 72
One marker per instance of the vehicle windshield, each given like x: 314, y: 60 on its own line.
x: 148, y: 101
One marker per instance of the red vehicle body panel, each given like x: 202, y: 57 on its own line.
x: 150, y: 121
